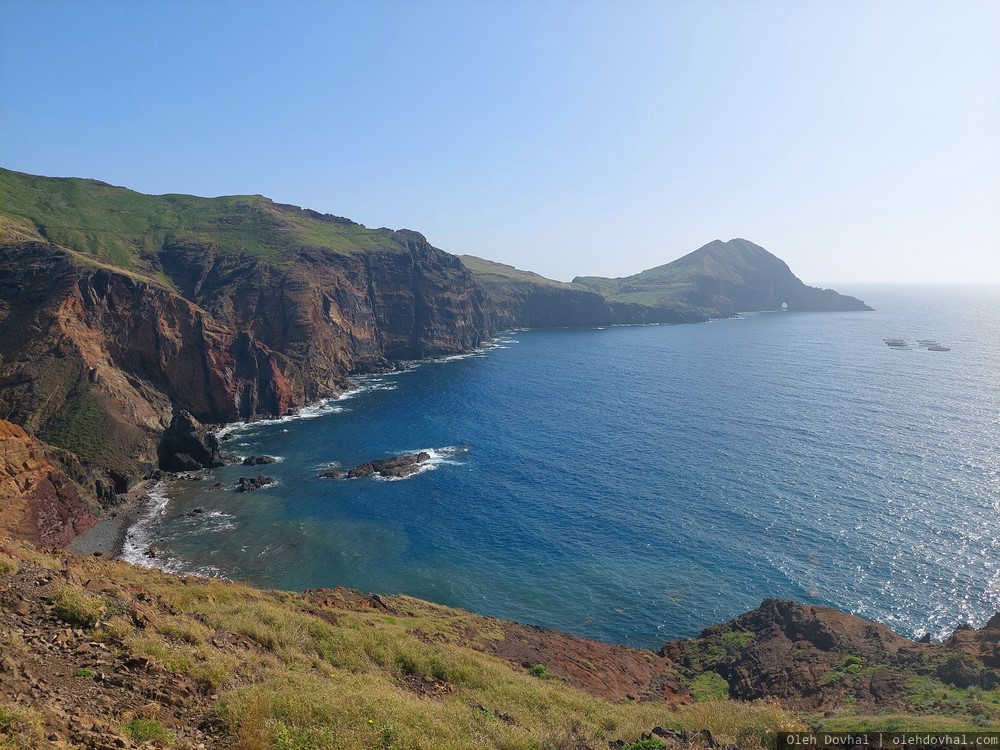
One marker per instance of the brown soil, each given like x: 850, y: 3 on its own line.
x: 87, y: 691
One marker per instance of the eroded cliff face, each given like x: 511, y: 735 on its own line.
x: 38, y: 501
x: 333, y: 313
x: 96, y: 358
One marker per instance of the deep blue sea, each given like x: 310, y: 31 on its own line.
x: 638, y: 484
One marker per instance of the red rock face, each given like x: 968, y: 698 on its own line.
x: 95, y: 358
x: 37, y: 501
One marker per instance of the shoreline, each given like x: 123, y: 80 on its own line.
x: 107, y: 537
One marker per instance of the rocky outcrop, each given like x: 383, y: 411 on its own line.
x: 252, y: 484
x: 187, y: 445
x: 259, y: 460
x: 812, y: 657
x: 38, y: 501
x: 397, y: 467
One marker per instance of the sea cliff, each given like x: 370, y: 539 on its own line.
x: 244, y: 308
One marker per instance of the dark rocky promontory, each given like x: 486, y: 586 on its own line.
x: 187, y: 445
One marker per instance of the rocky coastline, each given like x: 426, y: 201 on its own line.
x: 120, y: 355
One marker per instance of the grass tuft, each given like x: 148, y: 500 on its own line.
x: 20, y: 727
x: 149, y: 730
x: 76, y: 607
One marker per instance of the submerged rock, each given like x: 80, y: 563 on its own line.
x: 249, y: 484
x: 259, y: 460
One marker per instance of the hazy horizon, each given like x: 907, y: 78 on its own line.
x: 856, y: 141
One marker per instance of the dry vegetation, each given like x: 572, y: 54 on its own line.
x: 279, y: 670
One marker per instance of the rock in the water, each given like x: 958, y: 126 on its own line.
x: 186, y: 445
x: 258, y: 460
x: 249, y: 484
x: 396, y: 467
x: 365, y: 470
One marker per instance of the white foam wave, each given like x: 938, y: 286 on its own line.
x: 211, y: 523
x: 140, y: 536
x: 362, y: 384
x: 320, y: 409
x: 457, y: 357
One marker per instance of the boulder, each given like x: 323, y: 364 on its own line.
x: 187, y: 445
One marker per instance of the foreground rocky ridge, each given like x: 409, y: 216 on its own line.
x: 101, y: 654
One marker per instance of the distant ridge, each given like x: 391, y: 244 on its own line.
x: 720, y: 279
x: 717, y: 280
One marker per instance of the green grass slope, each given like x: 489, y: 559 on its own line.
x: 127, y: 229
x: 298, y: 672
x: 501, y: 275
x: 720, y: 278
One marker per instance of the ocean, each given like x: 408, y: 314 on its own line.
x: 638, y: 484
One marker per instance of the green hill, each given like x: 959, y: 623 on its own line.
x: 721, y: 278
x: 502, y: 275
x: 127, y: 229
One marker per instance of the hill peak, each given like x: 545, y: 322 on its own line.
x: 721, y: 278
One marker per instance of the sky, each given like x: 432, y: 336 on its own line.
x: 857, y: 140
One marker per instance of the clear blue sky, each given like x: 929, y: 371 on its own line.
x: 857, y: 140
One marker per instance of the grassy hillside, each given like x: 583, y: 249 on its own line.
x: 501, y: 275
x: 720, y: 278
x: 127, y: 229
x: 668, y: 285
x: 182, y: 661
